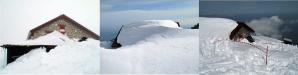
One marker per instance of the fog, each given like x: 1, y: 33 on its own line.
x: 269, y: 26
x: 18, y: 17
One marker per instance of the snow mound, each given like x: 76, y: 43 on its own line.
x: 68, y: 57
x: 74, y: 58
x: 54, y: 38
x: 217, y: 26
x: 219, y: 55
x: 148, y: 48
x: 148, y: 23
x: 136, y: 31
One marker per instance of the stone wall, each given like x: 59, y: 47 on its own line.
x: 243, y: 31
x: 71, y: 30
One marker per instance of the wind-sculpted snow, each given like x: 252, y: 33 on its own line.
x: 219, y: 55
x: 137, y: 31
x: 160, y: 50
x: 68, y: 57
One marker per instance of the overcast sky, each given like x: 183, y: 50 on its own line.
x: 272, y: 18
x: 18, y: 17
x: 248, y: 7
x: 115, y: 13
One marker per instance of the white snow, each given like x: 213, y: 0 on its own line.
x: 219, y: 55
x: 288, y: 39
x: 68, y: 57
x: 152, y: 47
x: 54, y: 38
x: 137, y: 31
x: 2, y: 58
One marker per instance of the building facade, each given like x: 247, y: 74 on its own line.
x: 241, y: 29
x: 64, y: 25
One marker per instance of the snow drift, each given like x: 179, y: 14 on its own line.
x: 219, y: 55
x: 136, y: 31
x: 54, y: 38
x: 153, y: 46
x: 68, y: 57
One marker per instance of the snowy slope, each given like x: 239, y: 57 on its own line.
x: 69, y: 57
x: 161, y: 48
x: 219, y: 55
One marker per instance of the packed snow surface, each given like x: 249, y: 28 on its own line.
x: 152, y: 47
x: 68, y: 57
x: 221, y: 56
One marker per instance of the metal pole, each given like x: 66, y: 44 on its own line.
x: 266, y: 55
x: 282, y: 46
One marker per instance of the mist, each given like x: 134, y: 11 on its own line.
x: 269, y: 26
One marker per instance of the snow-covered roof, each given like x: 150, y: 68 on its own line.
x: 148, y: 23
x: 152, y: 49
x: 288, y: 39
x: 133, y: 32
x: 217, y: 26
x: 240, y: 25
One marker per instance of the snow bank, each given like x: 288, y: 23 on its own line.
x: 68, y: 57
x: 219, y: 55
x: 106, y: 44
x: 136, y: 31
x: 54, y: 38
x: 152, y: 49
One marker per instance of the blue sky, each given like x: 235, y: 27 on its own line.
x: 248, y: 7
x: 114, y: 13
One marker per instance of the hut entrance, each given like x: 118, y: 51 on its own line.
x: 241, y: 31
x: 15, y: 51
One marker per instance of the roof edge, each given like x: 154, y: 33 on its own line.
x: 69, y: 19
